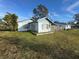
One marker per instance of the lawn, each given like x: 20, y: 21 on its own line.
x: 24, y: 45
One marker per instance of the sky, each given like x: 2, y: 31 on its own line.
x: 59, y: 10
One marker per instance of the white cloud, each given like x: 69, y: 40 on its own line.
x: 51, y: 14
x: 55, y: 14
x: 21, y: 18
x: 2, y: 15
x: 71, y: 7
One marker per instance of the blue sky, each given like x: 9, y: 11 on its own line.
x: 59, y: 10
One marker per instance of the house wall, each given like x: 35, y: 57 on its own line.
x: 34, y: 27
x: 24, y: 25
x: 67, y: 27
x: 44, y: 25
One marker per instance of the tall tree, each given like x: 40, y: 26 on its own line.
x: 76, y: 16
x: 40, y: 11
x: 11, y: 21
x: 14, y: 22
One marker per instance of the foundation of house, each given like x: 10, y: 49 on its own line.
x: 37, y: 34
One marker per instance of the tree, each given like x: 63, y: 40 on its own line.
x: 14, y: 22
x: 76, y: 16
x: 40, y: 12
x: 35, y: 12
x: 11, y: 21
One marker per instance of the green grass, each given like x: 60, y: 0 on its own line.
x: 24, y: 45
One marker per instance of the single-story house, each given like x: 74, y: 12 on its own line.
x: 62, y: 26
x: 41, y: 25
x: 59, y: 26
x: 67, y: 27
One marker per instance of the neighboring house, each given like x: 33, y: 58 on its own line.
x: 39, y: 26
x: 74, y: 25
x: 67, y: 27
x: 60, y: 26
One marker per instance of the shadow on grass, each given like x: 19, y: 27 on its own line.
x: 16, y: 48
x: 31, y: 32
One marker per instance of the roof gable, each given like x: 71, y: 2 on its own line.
x: 45, y: 18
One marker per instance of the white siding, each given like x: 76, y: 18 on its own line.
x: 67, y: 27
x: 34, y: 27
x: 44, y: 25
x: 22, y: 25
